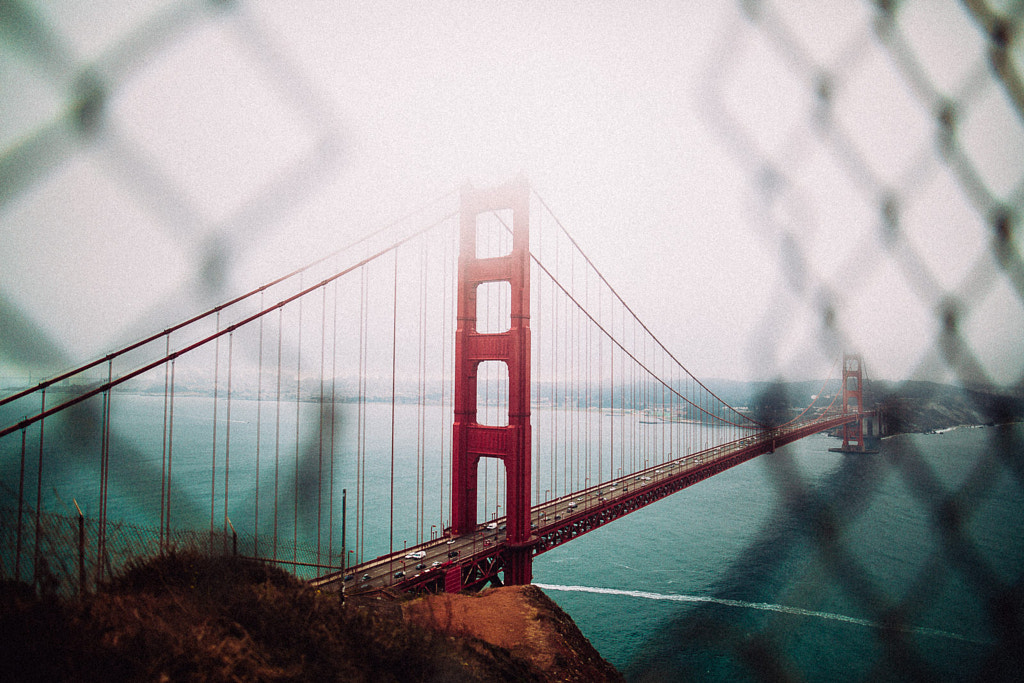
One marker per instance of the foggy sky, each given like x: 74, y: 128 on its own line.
x: 234, y: 145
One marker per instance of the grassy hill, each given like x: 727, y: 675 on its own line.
x: 186, y: 617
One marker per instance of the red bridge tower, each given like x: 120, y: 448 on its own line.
x: 853, y: 401
x: 471, y: 440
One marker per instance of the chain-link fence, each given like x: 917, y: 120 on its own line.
x: 886, y: 165
x: 890, y: 170
x: 72, y: 556
x: 883, y: 148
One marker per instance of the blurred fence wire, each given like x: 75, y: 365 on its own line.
x: 929, y: 154
x: 66, y: 562
x: 867, y: 155
x: 887, y: 138
x: 86, y: 119
x: 171, y: 189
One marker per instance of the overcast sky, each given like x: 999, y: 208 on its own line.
x: 269, y: 135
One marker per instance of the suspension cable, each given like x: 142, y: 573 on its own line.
x: 216, y: 309
x: 627, y: 307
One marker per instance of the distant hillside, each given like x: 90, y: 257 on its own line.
x: 926, y: 406
x: 911, y: 406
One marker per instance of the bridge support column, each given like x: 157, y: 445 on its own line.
x: 471, y: 440
x: 853, y: 401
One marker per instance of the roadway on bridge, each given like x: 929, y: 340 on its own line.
x: 429, y: 561
x: 440, y: 554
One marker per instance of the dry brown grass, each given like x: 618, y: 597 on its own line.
x: 187, y: 617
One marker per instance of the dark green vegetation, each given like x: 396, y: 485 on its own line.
x: 186, y: 617
x: 925, y: 406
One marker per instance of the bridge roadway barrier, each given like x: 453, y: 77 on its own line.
x: 479, y: 555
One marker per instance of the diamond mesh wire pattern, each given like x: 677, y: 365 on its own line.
x: 910, y: 162
x: 898, y: 153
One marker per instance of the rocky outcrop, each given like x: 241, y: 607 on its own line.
x: 522, y: 620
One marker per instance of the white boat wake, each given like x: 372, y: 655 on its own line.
x: 764, y: 606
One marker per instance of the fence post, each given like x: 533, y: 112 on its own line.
x: 81, y: 549
x: 234, y: 539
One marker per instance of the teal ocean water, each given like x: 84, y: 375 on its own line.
x: 811, y: 565
x: 801, y: 564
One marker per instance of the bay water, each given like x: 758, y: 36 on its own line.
x: 813, y: 565
x: 802, y: 563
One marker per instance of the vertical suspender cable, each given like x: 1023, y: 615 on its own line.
x: 227, y: 438
x: 104, y: 470
x: 611, y: 390
x: 645, y: 379
x: 566, y: 365
x: 534, y: 393
x: 421, y: 515
x: 359, y: 419
x: 633, y: 400
x: 622, y: 399
x: 703, y: 420
x: 334, y: 376
x: 566, y: 402
x: 673, y: 426
x: 394, y: 350
x: 421, y: 390
x: 361, y: 422
x: 552, y: 335
x: 277, y: 428
x: 579, y: 348
x: 213, y: 457
x: 600, y: 400
x: 651, y: 434
x: 21, y: 507
x: 259, y: 436
x: 554, y: 384
x: 444, y: 371
x: 535, y: 308
x: 320, y: 413
x: 163, y: 447
x: 586, y: 368
x: 611, y: 372
x: 170, y: 456
x: 298, y: 398
x: 103, y: 464
x: 568, y: 396
x: 574, y: 349
x: 665, y: 423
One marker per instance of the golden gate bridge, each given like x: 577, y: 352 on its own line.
x: 427, y: 409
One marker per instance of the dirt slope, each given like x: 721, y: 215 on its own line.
x: 522, y: 620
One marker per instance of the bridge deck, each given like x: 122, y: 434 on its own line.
x: 478, y: 556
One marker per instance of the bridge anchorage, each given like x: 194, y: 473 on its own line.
x: 470, y: 554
